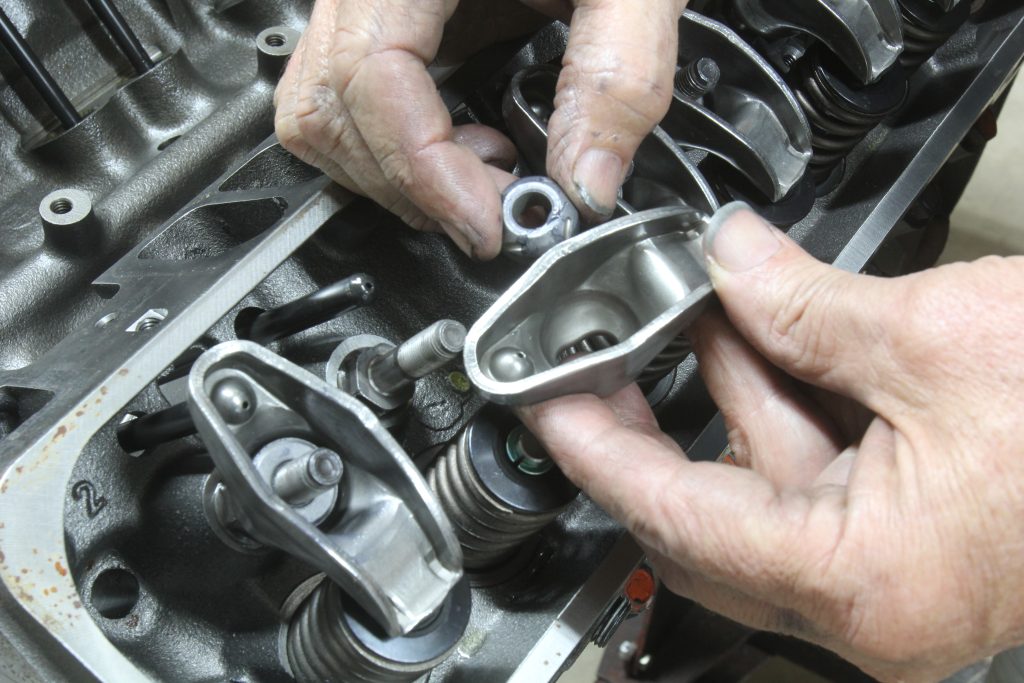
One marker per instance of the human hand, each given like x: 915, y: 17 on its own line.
x: 356, y: 100
x: 879, y: 506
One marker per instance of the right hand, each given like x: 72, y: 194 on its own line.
x: 879, y: 507
x: 356, y: 100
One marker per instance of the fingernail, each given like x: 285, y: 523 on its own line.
x: 738, y: 240
x: 598, y: 176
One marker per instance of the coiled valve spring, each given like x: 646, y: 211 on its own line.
x: 497, y: 487
x: 926, y: 28
x: 841, y: 114
x: 329, y: 640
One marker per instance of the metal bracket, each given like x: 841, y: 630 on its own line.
x: 742, y: 112
x: 623, y: 290
x: 391, y: 549
x: 865, y: 34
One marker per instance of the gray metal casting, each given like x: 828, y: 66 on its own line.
x: 636, y: 282
x: 399, y: 582
x: 865, y: 34
x: 747, y: 116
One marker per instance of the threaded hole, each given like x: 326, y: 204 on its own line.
x: 115, y: 593
x: 275, y: 40
x: 61, y: 206
x: 532, y: 210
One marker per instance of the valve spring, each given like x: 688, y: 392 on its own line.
x: 921, y: 40
x: 664, y: 363
x: 598, y: 341
x: 322, y: 647
x: 488, y: 529
x: 835, y: 129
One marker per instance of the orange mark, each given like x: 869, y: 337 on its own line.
x: 640, y: 586
x: 60, y: 568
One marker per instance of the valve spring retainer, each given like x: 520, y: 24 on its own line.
x: 494, y: 500
x: 330, y: 639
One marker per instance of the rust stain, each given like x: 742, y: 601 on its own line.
x: 79, y: 413
x: 60, y: 568
x: 98, y: 401
x: 104, y: 390
x: 2, y: 557
x: 18, y: 469
x: 61, y: 431
x: 3, y: 487
x: 123, y: 371
x: 77, y: 604
x: 46, y: 591
x: 53, y: 589
x: 24, y: 571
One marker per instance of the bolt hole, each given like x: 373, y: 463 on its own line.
x: 167, y: 143
x: 148, y: 323
x: 61, y: 206
x: 106, y: 320
x: 532, y: 210
x: 115, y: 592
x: 368, y: 287
x: 275, y: 40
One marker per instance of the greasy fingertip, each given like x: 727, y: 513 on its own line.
x: 597, y: 177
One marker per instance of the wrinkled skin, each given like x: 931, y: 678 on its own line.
x: 879, y: 504
x: 356, y: 100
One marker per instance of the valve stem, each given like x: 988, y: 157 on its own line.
x: 421, y: 354
x: 301, y: 480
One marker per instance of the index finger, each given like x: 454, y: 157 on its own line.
x: 379, y: 69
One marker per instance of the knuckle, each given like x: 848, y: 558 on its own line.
x: 315, y: 111
x: 797, y: 331
x: 635, y: 89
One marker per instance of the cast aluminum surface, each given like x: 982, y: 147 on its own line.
x: 399, y: 582
x: 750, y: 118
x: 639, y: 279
x: 865, y: 35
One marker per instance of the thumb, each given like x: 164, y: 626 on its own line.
x: 820, y: 324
